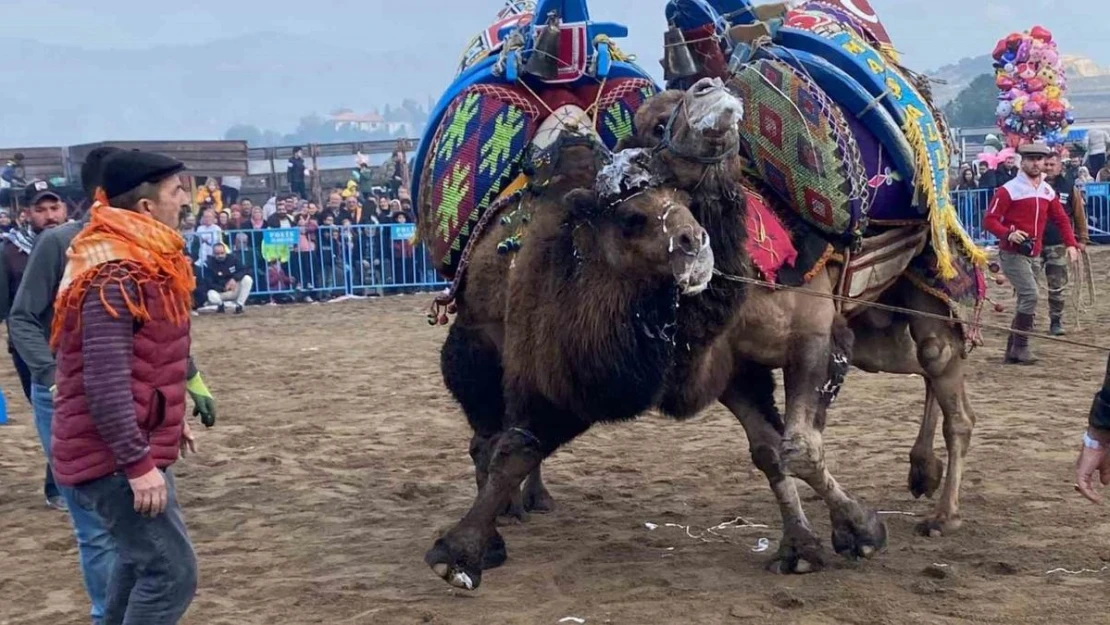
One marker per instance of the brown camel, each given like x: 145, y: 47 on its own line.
x: 883, y: 342
x: 576, y: 327
x: 727, y: 350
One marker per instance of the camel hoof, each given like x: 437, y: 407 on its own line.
x: 858, y: 534
x: 513, y: 514
x: 937, y: 528
x: 496, y: 553
x: 799, y: 553
x: 925, y: 477
x: 538, y: 500
x: 451, y: 567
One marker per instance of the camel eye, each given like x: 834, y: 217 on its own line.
x: 633, y: 224
x: 659, y: 129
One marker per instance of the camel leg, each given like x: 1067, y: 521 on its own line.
x: 471, y: 368
x: 536, y: 431
x: 816, y: 366
x: 926, y: 470
x: 941, y: 353
x: 751, y: 399
x: 536, y: 497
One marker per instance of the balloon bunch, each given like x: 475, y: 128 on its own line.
x: 1031, y: 83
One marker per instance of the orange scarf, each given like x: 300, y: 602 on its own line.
x: 147, y: 252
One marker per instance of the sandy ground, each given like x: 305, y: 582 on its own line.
x: 339, y: 456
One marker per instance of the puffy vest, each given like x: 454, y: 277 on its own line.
x: 159, y: 358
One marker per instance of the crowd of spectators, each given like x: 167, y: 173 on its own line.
x: 348, y: 240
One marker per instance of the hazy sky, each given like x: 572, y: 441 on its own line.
x: 929, y: 32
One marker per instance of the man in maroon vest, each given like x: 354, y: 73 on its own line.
x: 121, y: 335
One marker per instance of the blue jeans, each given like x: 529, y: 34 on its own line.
x: 95, y: 548
x: 49, y: 488
x: 155, y: 576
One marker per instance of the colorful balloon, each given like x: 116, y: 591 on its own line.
x: 1032, y: 88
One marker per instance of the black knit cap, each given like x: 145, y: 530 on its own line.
x: 124, y: 171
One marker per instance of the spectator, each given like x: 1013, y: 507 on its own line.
x: 278, y: 280
x: 1103, y: 174
x: 1084, y: 176
x: 209, y: 234
x: 987, y: 177
x: 1006, y: 171
x: 1054, y: 254
x: 281, y: 217
x: 209, y: 197
x: 398, y: 177
x: 229, y: 187
x: 1095, y: 148
x: 46, y: 210
x: 227, y: 280
x: 12, y: 181
x: 1093, y: 455
x: 188, y: 229
x: 305, y: 266
x: 365, y: 182
x: 223, y: 219
x: 6, y: 224
x: 404, y: 270
x: 295, y: 174
x: 351, y: 211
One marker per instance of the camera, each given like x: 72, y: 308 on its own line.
x: 1026, y: 246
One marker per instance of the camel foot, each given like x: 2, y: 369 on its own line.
x: 937, y: 526
x: 800, y: 552
x: 857, y: 532
x: 459, y: 559
x: 513, y: 514
x: 925, y: 476
x: 537, y: 499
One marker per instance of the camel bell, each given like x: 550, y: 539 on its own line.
x: 678, y: 61
x: 543, y: 61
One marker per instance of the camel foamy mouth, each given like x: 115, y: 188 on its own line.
x: 698, y: 274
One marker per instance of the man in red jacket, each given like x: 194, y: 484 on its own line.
x: 121, y: 335
x: 1018, y: 214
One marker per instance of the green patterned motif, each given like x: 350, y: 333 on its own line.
x: 455, y: 187
x: 498, y: 148
x: 455, y: 134
x: 618, y: 121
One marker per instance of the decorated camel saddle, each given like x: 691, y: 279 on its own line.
x: 540, y: 67
x: 838, y: 132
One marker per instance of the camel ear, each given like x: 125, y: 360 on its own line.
x: 582, y: 203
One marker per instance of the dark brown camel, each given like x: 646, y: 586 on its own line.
x: 577, y: 327
x: 727, y: 349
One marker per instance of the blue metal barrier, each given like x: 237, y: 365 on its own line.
x: 327, y: 262
x: 972, y: 205
x: 333, y: 261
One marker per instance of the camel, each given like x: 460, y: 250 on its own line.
x: 883, y: 342
x: 731, y: 338
x: 575, y: 328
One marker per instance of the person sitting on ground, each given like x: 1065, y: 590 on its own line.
x: 227, y: 280
x: 1093, y: 456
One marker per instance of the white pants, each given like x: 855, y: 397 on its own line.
x: 239, y: 296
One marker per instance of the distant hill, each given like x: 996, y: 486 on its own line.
x: 55, y: 95
x: 1088, y: 82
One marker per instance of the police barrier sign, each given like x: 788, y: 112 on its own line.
x: 403, y: 232
x: 281, y: 236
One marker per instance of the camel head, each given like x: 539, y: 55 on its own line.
x: 691, y: 130
x: 640, y: 231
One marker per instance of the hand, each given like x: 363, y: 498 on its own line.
x: 232, y: 286
x: 1017, y: 237
x: 188, y: 443
x: 1073, y: 255
x: 150, y: 493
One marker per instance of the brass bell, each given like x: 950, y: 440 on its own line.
x: 678, y: 61
x: 543, y: 59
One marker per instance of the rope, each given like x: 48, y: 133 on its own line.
x: 905, y: 311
